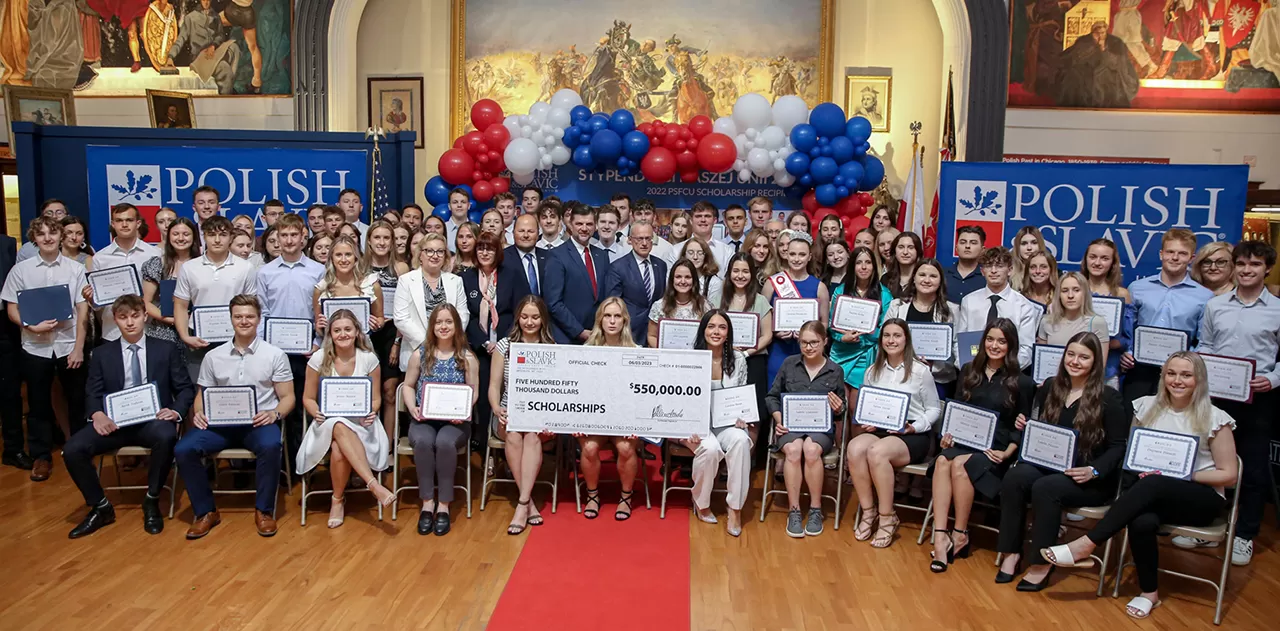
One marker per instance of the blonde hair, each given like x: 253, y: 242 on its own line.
x: 327, y: 347
x: 428, y: 238
x: 1057, y: 312
x: 1207, y: 251
x: 597, y: 336
x: 358, y: 273
x: 1199, y: 412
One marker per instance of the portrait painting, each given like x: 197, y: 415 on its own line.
x: 395, y: 104
x: 171, y: 110
x: 126, y: 47
x: 662, y: 60
x: 869, y: 97
x: 1170, y: 55
x: 38, y: 105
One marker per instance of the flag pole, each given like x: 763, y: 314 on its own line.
x: 375, y: 133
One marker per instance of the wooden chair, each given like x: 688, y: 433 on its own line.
x: 404, y: 448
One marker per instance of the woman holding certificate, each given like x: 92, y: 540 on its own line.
x: 1182, y: 407
x: 742, y: 297
x: 1062, y: 470
x: 356, y: 444
x: 422, y: 290
x: 1071, y: 312
x: 874, y: 454
x: 794, y: 282
x: 384, y: 264
x: 180, y: 245
x: 764, y: 259
x: 994, y: 383
x: 681, y: 301
x: 855, y: 350
x: 901, y: 267
x: 347, y: 276
x: 612, y: 328
x: 707, y: 270
x: 442, y: 360
x: 925, y: 303
x: 1101, y: 270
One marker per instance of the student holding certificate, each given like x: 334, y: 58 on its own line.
x: 353, y: 444
x: 742, y: 296
x: 794, y: 282
x: 211, y: 280
x: 808, y: 373
x: 126, y: 249
x: 180, y: 245
x: 1077, y: 399
x: 853, y: 350
x: 1101, y: 269
x: 1181, y: 406
x: 612, y: 328
x: 134, y: 361
x: 1070, y: 312
x: 682, y: 300
x: 998, y: 300
x: 523, y: 449
x: 443, y: 358
x: 875, y: 453
x: 992, y: 381
x: 926, y: 303
x: 347, y: 276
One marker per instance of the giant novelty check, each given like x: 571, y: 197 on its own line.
x: 612, y: 391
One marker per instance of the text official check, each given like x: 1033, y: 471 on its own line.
x: 612, y: 391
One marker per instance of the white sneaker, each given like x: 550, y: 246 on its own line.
x: 1241, y: 551
x: 1075, y: 517
x: 1191, y: 543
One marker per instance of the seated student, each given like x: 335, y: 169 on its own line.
x: 875, y: 453
x: 353, y: 444
x: 992, y: 381
x: 1078, y: 399
x: 1182, y: 406
x: 1070, y: 312
x: 998, y: 300
x: 964, y: 277
x: 443, y: 357
x: 682, y: 299
x: 210, y: 280
x: 134, y: 361
x: 808, y: 372
x: 612, y: 328
x: 50, y: 347
x: 244, y: 361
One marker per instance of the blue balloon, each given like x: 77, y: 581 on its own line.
x: 873, y: 173
x: 467, y: 189
x: 475, y: 216
x: 572, y: 136
x: 795, y: 190
x: 838, y: 180
x: 442, y: 211
x: 584, y: 124
x: 635, y: 145
x: 815, y: 152
x: 606, y: 145
x: 579, y: 113
x: 842, y: 192
x: 798, y: 164
x: 826, y: 195
x: 851, y: 171
x: 583, y: 158
x: 598, y: 122
x: 861, y: 150
x: 823, y: 170
x: 841, y: 149
x: 622, y: 122
x: 827, y: 119
x: 858, y: 129
x: 826, y: 150
x: 805, y: 180
x: 804, y: 137
x: 436, y: 191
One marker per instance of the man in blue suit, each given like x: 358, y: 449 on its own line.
x: 134, y: 360
x: 639, y: 279
x: 575, y: 280
x: 526, y: 256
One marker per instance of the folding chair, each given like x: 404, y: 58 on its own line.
x: 1222, y: 530
x: 836, y: 456
x: 139, y: 452
x: 642, y: 476
x: 404, y: 448
x: 245, y: 454
x: 670, y: 449
x: 921, y: 470
x: 495, y: 445
x: 307, y: 492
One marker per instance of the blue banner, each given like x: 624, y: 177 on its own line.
x: 165, y: 176
x: 1073, y: 204
x: 721, y: 189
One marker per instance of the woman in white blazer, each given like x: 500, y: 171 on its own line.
x: 921, y: 304
x: 421, y: 291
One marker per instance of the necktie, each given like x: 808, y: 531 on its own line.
x: 737, y: 243
x: 533, y: 274
x: 135, y: 368
x: 648, y: 280
x: 591, y: 270
x: 992, y: 313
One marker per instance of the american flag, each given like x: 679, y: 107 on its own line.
x: 948, y: 150
x: 381, y: 198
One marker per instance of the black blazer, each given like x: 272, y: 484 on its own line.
x: 512, y: 258
x: 512, y: 286
x: 8, y: 258
x: 165, y: 368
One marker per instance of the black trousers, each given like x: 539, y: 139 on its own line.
x: 1253, y: 440
x: 758, y: 375
x: 39, y: 373
x: 1048, y: 492
x: 11, y: 431
x: 78, y: 454
x: 481, y: 411
x: 1151, y: 501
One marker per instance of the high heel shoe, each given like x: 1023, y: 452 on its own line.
x: 936, y: 566
x: 1005, y: 577
x: 1027, y: 586
x: 963, y: 551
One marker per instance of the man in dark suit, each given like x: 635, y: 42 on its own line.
x: 135, y: 360
x: 639, y: 279
x: 575, y: 280
x: 525, y: 256
x: 11, y: 432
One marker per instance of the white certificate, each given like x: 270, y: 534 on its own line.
x: 746, y: 328
x: 445, y: 401
x: 291, y: 335
x: 806, y: 413
x: 1045, y: 361
x: 789, y: 314
x: 882, y: 408
x: 111, y: 283
x: 1229, y: 377
x: 1170, y: 453
x: 388, y: 302
x: 1049, y: 446
x: 728, y: 405
x: 358, y: 306
x: 1111, y: 310
x: 213, y: 324
x: 969, y: 425
x: 230, y: 405
x: 673, y: 333
x: 857, y: 315
x: 1153, y: 345
x: 935, y: 342
x: 134, y: 405
x: 347, y: 397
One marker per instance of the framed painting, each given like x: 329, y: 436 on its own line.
x: 38, y: 105
x: 1156, y: 55
x: 663, y: 60
x: 171, y: 110
x: 871, y: 97
x: 395, y: 104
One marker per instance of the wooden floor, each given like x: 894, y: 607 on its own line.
x: 371, y: 574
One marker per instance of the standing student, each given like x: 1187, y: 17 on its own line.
x: 575, y: 281
x: 179, y: 246
x: 703, y: 217
x: 797, y: 221
x: 794, y: 282
x: 135, y: 360
x: 206, y: 203
x: 612, y: 327
x: 607, y: 236
x: 852, y: 350
x: 621, y: 202
x: 1070, y: 312
x: 551, y: 232
x: 884, y: 245
x: 245, y: 361
x: 491, y: 221
x: 530, y: 199
x: 1040, y: 280
x: 334, y: 219
x: 679, y: 230
x: 882, y: 218
x: 865, y: 238
x: 764, y: 258
x: 411, y: 216
x: 760, y: 210
x: 1027, y: 243
x: 964, y: 277
x: 1101, y: 269
x: 211, y: 280
x: 352, y: 209
x: 464, y: 247
x: 346, y: 276
x: 682, y: 300
x: 735, y: 226
x: 165, y: 218
x: 505, y: 204
x: 831, y: 229
x: 459, y: 213
x: 1212, y: 267
x: 381, y: 259
x: 709, y: 273
x: 51, y: 347
x: 836, y: 262
x: 315, y: 220
x: 998, y: 300
x: 125, y: 249
x: 639, y: 278
x: 906, y: 249
x: 73, y: 245
x: 52, y: 208
x: 926, y: 302
x: 272, y: 211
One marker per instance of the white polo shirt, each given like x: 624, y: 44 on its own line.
x: 115, y: 256
x: 34, y: 273
x: 202, y: 283
x: 261, y: 365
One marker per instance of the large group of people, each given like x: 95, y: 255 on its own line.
x: 446, y: 298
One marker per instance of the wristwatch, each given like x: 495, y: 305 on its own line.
x: 1094, y: 471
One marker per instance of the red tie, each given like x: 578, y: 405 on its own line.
x: 591, y: 270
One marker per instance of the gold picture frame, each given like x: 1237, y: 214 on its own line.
x: 42, y: 106
x: 158, y: 104
x: 879, y: 89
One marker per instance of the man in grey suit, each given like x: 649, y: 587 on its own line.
x: 639, y: 278
x: 216, y: 54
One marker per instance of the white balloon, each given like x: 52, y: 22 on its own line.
x: 525, y: 121
x: 536, y: 136
x: 789, y: 111
x: 538, y: 111
x: 748, y: 145
x: 523, y: 179
x: 740, y: 142
x: 566, y: 99
x: 773, y: 137
x: 558, y: 117
x: 752, y: 111
x: 758, y: 160
x: 549, y: 140
x: 725, y: 125
x: 750, y: 133
x: 739, y: 164
x: 512, y: 123
x: 526, y: 131
x: 782, y: 178
x: 521, y: 156
x: 560, y: 155
x: 544, y: 162
x: 744, y: 175
x: 773, y: 154
x: 558, y: 133
x: 779, y: 164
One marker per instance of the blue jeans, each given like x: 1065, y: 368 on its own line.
x: 263, y: 441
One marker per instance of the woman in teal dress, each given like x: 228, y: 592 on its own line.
x: 854, y: 352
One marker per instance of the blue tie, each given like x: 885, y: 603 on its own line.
x: 648, y: 280
x: 533, y: 274
x: 135, y: 368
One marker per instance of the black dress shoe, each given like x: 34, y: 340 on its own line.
x: 442, y: 524
x: 152, y: 518
x: 1027, y: 586
x: 426, y: 520
x: 98, y: 517
x: 1004, y: 577
x: 19, y: 460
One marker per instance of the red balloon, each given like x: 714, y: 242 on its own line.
x: 687, y: 161
x: 857, y: 224
x: 497, y: 136
x: 716, y: 152
x: 457, y: 142
x: 689, y: 176
x: 500, y: 185
x: 691, y: 144
x: 809, y: 201
x: 456, y: 167
x: 485, y: 113
x: 685, y: 134
x: 700, y: 126
x: 848, y: 207
x: 472, y: 141
x: 681, y: 145
x: 659, y: 165
x: 483, y: 159
x: 866, y: 199
x: 644, y: 128
x: 476, y: 175
x: 482, y: 191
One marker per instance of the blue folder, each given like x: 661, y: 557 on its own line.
x: 166, y: 297
x: 45, y: 303
x: 968, y: 346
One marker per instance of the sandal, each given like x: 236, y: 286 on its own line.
x: 938, y: 566
x: 1140, y: 607
x: 374, y: 487
x: 593, y: 495
x: 514, y: 528
x: 624, y: 500
x: 869, y: 518
x: 1060, y: 555
x: 963, y: 551
x: 536, y: 518
x: 885, y: 533
x: 338, y: 506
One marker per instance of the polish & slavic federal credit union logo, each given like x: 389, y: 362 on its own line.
x: 982, y: 203
x: 137, y: 184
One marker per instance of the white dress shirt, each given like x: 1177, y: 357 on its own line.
x: 451, y: 233
x: 616, y: 251
x: 261, y: 365
x: 728, y: 240
x: 664, y: 250
x: 1012, y: 305
x: 545, y: 244
x: 722, y: 253
x: 924, y: 409
x: 115, y: 256
x: 1251, y: 331
x: 34, y: 273
x: 127, y: 357
x: 203, y: 283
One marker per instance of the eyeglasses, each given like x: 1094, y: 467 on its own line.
x: 1215, y: 263
x: 433, y: 252
x: 642, y: 239
x: 807, y: 343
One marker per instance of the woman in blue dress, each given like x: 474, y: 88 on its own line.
x: 794, y: 281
